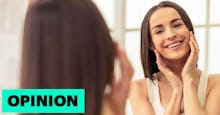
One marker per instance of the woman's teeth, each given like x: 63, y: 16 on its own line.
x: 174, y: 45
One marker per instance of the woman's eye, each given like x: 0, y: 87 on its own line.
x: 177, y: 25
x: 158, y: 31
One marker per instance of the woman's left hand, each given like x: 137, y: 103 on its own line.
x: 115, y: 101
x: 190, y: 69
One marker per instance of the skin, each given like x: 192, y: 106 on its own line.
x: 114, y: 102
x: 177, y: 52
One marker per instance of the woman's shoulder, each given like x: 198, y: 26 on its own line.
x: 139, y: 98
x: 214, y: 81
x: 214, y: 76
x: 138, y: 87
x: 139, y: 84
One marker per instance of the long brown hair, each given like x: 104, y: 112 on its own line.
x: 66, y: 44
x: 148, y: 58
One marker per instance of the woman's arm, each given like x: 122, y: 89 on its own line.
x: 174, y: 105
x: 138, y: 97
x: 191, y: 102
x: 140, y: 101
x: 189, y: 74
x: 115, y: 101
x: 213, y: 99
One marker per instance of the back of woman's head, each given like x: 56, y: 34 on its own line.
x: 148, y: 57
x: 66, y: 44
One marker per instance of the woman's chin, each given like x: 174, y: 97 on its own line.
x: 176, y: 57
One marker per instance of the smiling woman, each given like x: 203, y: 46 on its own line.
x: 169, y: 55
x: 171, y: 27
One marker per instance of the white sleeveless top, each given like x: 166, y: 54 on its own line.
x: 154, y: 96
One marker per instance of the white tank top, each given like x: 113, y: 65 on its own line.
x: 154, y: 96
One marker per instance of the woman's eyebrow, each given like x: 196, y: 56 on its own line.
x: 176, y: 19
x: 172, y: 21
x: 159, y: 25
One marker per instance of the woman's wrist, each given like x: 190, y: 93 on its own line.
x: 178, y: 86
x: 189, y: 83
x: 178, y: 90
x: 187, y: 79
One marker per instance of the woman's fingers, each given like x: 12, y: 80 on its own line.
x: 161, y: 65
x: 171, y: 77
x: 193, y: 58
x: 125, y: 65
x: 193, y: 39
x: 120, y: 88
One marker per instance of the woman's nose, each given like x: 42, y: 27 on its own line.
x: 170, y: 34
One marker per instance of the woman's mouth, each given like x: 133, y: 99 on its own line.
x: 174, y: 45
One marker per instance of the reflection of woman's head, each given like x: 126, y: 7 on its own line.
x: 66, y: 44
x: 148, y: 57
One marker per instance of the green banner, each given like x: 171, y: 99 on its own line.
x: 43, y: 100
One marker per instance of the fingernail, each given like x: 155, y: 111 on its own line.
x: 191, y: 33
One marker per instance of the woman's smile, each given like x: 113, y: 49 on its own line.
x: 174, y: 45
x: 170, y: 36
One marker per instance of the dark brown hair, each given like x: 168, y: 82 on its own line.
x: 66, y: 44
x: 148, y: 58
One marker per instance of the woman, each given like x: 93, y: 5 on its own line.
x: 169, y: 55
x: 66, y: 44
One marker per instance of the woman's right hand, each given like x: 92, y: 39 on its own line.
x: 173, y: 79
x: 175, y: 102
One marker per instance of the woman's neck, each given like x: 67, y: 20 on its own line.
x: 176, y: 66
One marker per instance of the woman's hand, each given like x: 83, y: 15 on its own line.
x: 189, y: 69
x: 175, y: 102
x: 170, y: 76
x: 115, y: 101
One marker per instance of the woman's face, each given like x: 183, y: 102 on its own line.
x: 169, y: 34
